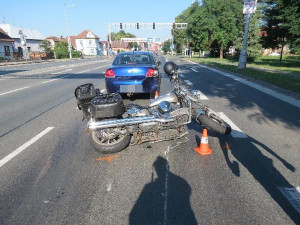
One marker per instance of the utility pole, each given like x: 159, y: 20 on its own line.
x: 243, y: 53
x: 249, y: 9
x: 68, y: 36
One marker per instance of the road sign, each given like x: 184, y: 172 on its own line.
x: 150, y: 39
x: 172, y: 47
x: 249, y: 6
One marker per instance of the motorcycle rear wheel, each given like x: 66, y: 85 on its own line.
x: 106, y: 146
x: 219, y: 126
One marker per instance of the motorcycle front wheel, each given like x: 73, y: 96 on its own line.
x: 217, y: 125
x: 109, y: 144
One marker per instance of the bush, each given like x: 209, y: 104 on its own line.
x: 76, y: 54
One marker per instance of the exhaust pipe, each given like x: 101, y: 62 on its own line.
x: 126, y: 122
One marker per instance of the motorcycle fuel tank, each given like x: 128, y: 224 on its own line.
x: 168, y: 97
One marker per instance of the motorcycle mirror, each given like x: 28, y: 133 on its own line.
x: 170, y: 67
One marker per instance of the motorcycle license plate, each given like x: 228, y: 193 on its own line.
x: 131, y: 88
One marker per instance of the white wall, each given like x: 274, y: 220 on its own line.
x: 33, y: 44
x: 2, y: 52
x: 88, y: 46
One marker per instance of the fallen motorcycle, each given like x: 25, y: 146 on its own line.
x: 112, y: 126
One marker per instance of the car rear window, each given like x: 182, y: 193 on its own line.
x: 124, y: 59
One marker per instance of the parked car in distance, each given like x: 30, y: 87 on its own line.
x: 133, y: 72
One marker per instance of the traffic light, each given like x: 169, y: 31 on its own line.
x: 121, y: 26
x: 174, y: 25
x: 153, y: 25
x: 137, y: 26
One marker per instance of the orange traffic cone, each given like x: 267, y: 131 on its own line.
x: 204, y: 148
x: 156, y: 94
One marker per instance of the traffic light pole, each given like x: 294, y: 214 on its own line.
x: 243, y: 54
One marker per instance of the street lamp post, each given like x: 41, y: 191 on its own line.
x: 68, y: 36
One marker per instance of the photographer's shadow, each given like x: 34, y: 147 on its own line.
x: 165, y: 200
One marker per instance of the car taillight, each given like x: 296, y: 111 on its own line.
x: 151, y: 73
x: 110, y: 73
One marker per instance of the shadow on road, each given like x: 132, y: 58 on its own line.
x: 165, y: 200
x: 260, y: 167
x: 242, y: 97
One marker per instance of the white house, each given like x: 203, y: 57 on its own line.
x: 86, y: 42
x: 6, y: 45
x: 33, y: 37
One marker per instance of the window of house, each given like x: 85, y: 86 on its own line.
x: 90, y: 42
x: 7, y: 50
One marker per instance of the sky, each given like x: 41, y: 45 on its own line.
x: 48, y: 16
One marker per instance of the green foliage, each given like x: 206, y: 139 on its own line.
x: 46, y: 47
x: 76, y: 54
x: 121, y: 34
x: 61, y: 50
x: 282, y: 24
x: 180, y: 36
x: 166, y: 46
x: 133, y: 45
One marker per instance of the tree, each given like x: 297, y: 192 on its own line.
x: 166, y: 46
x: 46, y: 47
x: 121, y: 34
x: 180, y: 36
x: 282, y: 24
x: 61, y: 50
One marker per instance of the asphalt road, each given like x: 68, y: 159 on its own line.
x: 57, y: 178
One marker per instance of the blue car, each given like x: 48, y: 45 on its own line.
x: 133, y: 72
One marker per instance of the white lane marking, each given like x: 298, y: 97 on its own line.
x: 188, y: 82
x: 181, y: 75
x: 178, y: 61
x: 167, y: 60
x: 23, y: 147
x: 194, y: 70
x: 14, y: 90
x: 282, y: 97
x: 91, y: 69
x: 192, y: 62
x: 48, y: 81
x: 203, y: 96
x: 166, y: 187
x: 235, y: 131
x: 292, y: 194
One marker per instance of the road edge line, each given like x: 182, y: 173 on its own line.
x: 16, y: 152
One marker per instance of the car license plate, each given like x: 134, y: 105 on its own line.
x: 131, y: 88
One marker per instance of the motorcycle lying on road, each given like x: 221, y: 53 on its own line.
x: 112, y: 126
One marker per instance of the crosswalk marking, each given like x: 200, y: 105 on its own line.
x: 235, y: 131
x: 181, y: 75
